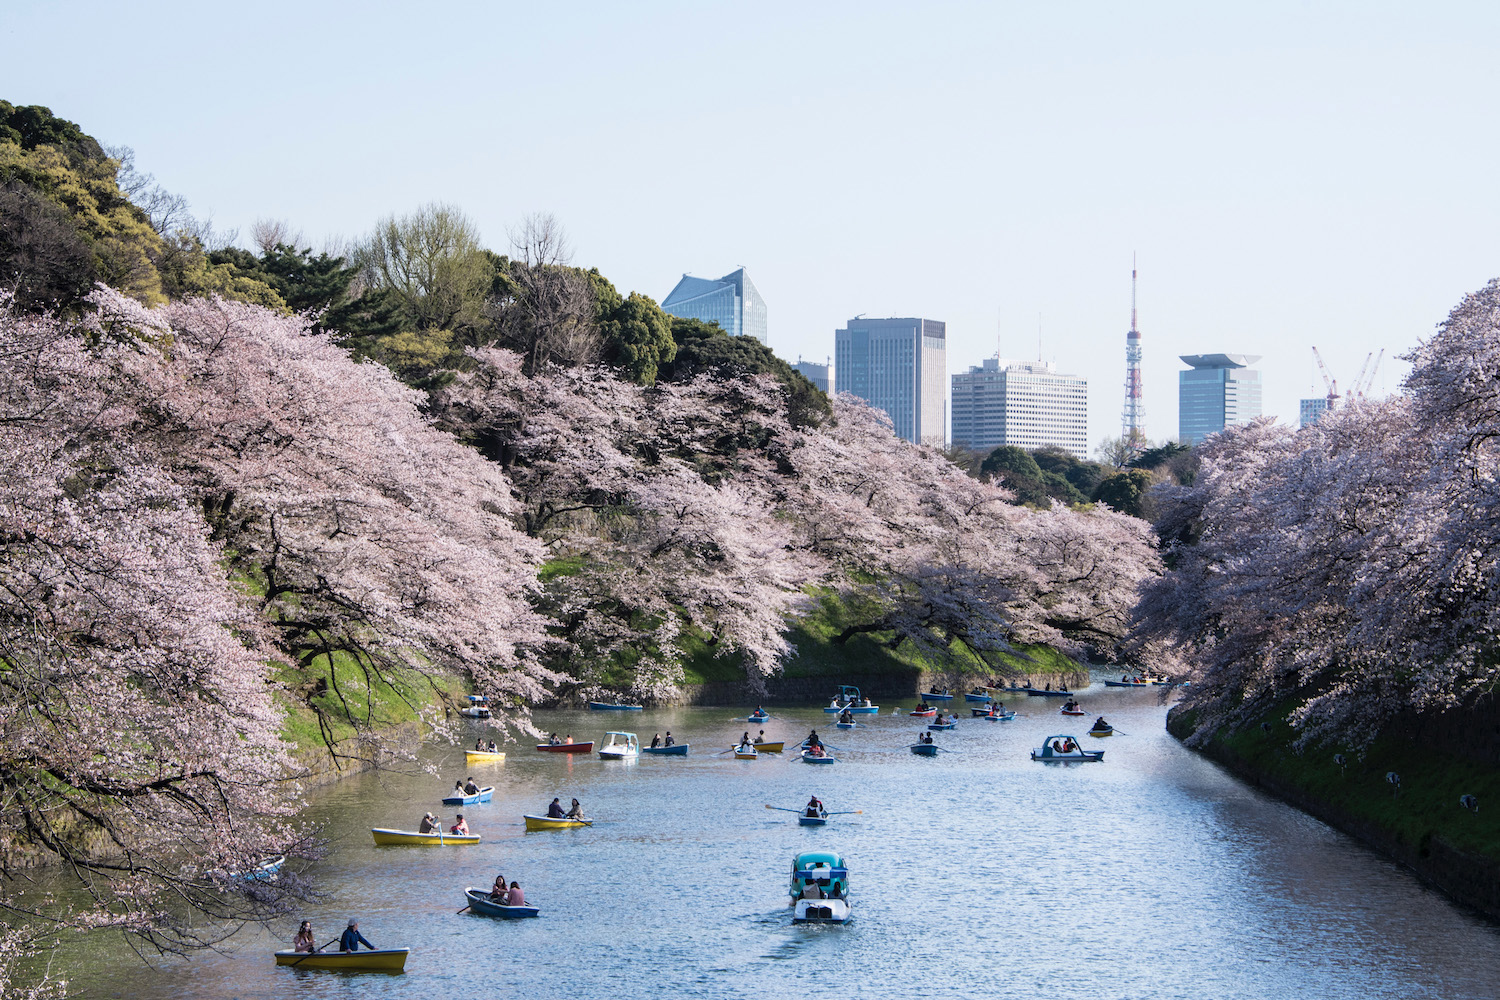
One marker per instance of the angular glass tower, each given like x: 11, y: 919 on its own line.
x: 1220, y: 390
x: 900, y: 366
x: 732, y: 302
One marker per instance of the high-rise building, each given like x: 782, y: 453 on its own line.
x: 1311, y: 410
x: 1024, y: 403
x: 901, y: 366
x: 1218, y: 391
x: 819, y: 375
x: 732, y: 302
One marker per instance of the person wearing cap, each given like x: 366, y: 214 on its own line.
x: 352, y: 938
x: 430, y: 824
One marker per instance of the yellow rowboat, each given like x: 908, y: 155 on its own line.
x: 385, y: 838
x: 548, y: 823
x: 776, y: 747
x: 388, y: 959
x: 483, y: 757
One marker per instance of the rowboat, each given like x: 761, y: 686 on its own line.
x: 934, y: 696
x: 1101, y: 731
x: 604, y: 706
x: 679, y: 749
x: 484, y: 756
x: 266, y: 871
x: 846, y: 725
x: 924, y: 749
x: 776, y: 747
x: 1071, y: 711
x: 1056, y: 755
x: 483, y: 795
x: 548, y: 823
x: 937, y: 726
x: 478, y: 707
x: 979, y: 696
x: 566, y: 747
x: 745, y: 751
x: 805, y: 820
x: 979, y: 712
x: 620, y: 746
x: 808, y: 757
x: 998, y: 716
x: 481, y: 903
x: 387, y: 959
x: 922, y: 712
x: 757, y: 716
x: 820, y: 888
x: 1040, y: 693
x: 390, y: 838
x: 1128, y: 684
x: 848, y: 700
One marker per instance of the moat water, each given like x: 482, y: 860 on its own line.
x: 977, y: 873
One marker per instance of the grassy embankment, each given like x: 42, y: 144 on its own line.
x: 1425, y: 807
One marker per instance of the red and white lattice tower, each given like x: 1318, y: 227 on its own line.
x: 1133, y: 424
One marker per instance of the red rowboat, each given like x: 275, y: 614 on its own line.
x: 566, y: 747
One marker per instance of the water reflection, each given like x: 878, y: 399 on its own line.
x: 975, y: 873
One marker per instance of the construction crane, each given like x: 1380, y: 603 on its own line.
x: 1328, y: 380
x: 1362, y: 384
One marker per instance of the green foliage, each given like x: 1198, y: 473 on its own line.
x: 1020, y: 473
x: 705, y: 347
x: 1082, y: 476
x: 1125, y: 491
x: 32, y: 125
x: 1008, y: 459
x: 636, y: 334
x: 431, y: 260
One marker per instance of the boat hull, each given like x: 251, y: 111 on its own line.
x: 922, y: 715
x: 481, y: 903
x: 603, y: 706
x: 1066, y: 712
x: 941, y: 725
x: 846, y: 725
x: 980, y: 698
x: 1101, y: 733
x: 1126, y: 684
x: 745, y: 755
x: 809, y: 758
x: 857, y: 710
x: 1076, y: 757
x: 483, y: 795
x: 1049, y: 694
x: 409, y: 838
x: 548, y: 823
x: 566, y: 747
x: 821, y: 911
x: 675, y: 750
x: 924, y: 749
x: 776, y: 747
x: 483, y: 757
x: 758, y: 718
x: 999, y: 716
x: 387, y: 959
x: 618, y: 754
x: 812, y: 820
x: 937, y: 697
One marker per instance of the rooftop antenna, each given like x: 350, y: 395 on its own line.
x: 1039, y: 337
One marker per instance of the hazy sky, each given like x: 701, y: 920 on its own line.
x: 1289, y: 174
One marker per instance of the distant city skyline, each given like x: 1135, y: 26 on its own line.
x: 1288, y: 174
x: 1028, y: 404
x: 898, y: 364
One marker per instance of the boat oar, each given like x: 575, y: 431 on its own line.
x: 315, y: 951
x: 460, y: 911
x: 783, y: 809
x: 846, y: 812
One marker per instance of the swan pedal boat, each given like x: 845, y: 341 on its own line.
x: 1046, y: 754
x: 550, y: 823
x: 584, y: 747
x: 484, y: 756
x: 481, y: 903
x: 483, y: 795
x: 387, y: 959
x: 829, y: 872
x: 677, y: 749
x: 389, y: 838
x: 924, y: 749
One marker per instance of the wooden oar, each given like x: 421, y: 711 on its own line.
x: 783, y: 809
x: 846, y: 812
x: 316, y: 950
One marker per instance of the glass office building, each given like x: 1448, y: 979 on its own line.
x: 1311, y: 410
x: 818, y: 375
x: 731, y: 301
x: 1219, y: 390
x: 1028, y: 404
x: 901, y: 366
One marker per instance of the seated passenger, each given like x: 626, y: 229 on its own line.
x: 352, y: 938
x: 576, y: 812
x: 304, y: 939
x: 811, y: 891
x: 656, y: 740
x: 669, y: 741
x: 568, y: 739
x: 553, y: 740
x: 471, y: 787
x: 516, y: 897
x: 493, y: 748
x: 555, y: 810
x: 761, y: 738
x: 497, y: 891
x: 459, y: 827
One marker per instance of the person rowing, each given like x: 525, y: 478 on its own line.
x: 813, y: 740
x: 656, y: 740
x: 497, y: 891
x: 669, y: 741
x: 471, y: 787
x: 352, y: 938
x: 846, y: 716
x: 555, y: 810
x: 430, y: 824
x: 1100, y: 725
x: 761, y: 738
x: 815, y: 807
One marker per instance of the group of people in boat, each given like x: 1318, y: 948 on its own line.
x: 934, y: 690
x: 350, y: 940
x: 555, y: 810
x: 469, y: 787
x: 838, y: 702
x: 554, y: 741
x: 924, y: 737
x: 508, y: 895
x: 1064, y: 745
x: 431, y: 824
x: 481, y: 747
x: 656, y: 740
x: 1071, y: 705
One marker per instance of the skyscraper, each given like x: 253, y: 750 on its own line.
x: 1218, y: 391
x: 732, y: 302
x: 1311, y: 410
x: 1024, y: 403
x: 817, y: 374
x: 901, y: 366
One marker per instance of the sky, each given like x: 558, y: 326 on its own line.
x: 1285, y: 174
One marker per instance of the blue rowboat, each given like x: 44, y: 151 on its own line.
x: 846, y: 725
x: 930, y: 696
x: 604, y: 706
x: 941, y: 725
x: 758, y: 717
x: 806, y: 820
x: 808, y: 757
x: 924, y: 749
x: 854, y: 709
x: 483, y: 795
x: 999, y: 716
x: 676, y: 749
x: 980, y: 698
x: 1039, y: 693
x: 481, y: 903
